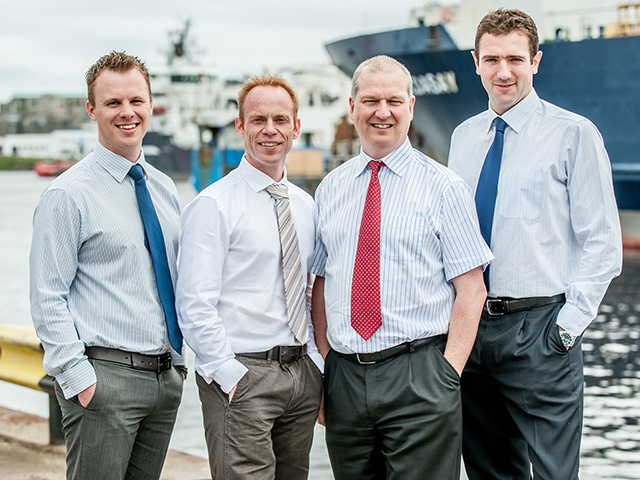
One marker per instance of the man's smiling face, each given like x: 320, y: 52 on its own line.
x: 122, y: 108
x: 382, y: 111
x: 269, y: 126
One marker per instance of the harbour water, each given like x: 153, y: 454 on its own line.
x: 611, y: 440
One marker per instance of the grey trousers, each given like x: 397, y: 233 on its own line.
x: 399, y: 419
x: 125, y: 430
x: 522, y: 397
x: 266, y: 431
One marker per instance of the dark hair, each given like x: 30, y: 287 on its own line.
x: 504, y: 21
x: 118, y: 62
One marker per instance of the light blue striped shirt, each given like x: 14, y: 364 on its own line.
x: 556, y: 227
x: 429, y: 235
x: 92, y: 280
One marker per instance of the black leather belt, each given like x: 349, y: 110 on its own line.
x: 155, y: 363
x: 382, y: 355
x: 499, y: 306
x: 281, y: 354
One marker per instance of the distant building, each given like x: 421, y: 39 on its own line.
x: 42, y: 113
x: 57, y: 145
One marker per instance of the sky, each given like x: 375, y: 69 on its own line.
x: 46, y: 46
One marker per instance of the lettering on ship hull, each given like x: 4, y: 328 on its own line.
x: 440, y: 83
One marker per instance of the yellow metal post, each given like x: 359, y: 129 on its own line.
x: 21, y: 357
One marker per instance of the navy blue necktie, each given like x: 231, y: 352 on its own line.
x: 488, y: 186
x: 156, y: 246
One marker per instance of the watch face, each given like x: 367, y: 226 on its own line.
x: 567, y: 339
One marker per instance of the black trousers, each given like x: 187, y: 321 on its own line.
x: 522, y: 397
x: 398, y: 419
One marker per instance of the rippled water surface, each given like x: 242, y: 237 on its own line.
x: 611, y: 440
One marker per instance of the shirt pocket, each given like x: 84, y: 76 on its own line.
x: 403, y: 238
x: 521, y: 191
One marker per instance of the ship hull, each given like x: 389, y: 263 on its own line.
x: 596, y: 78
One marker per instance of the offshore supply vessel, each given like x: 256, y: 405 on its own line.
x: 590, y: 65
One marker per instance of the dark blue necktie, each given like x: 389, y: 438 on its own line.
x: 488, y: 186
x: 156, y: 246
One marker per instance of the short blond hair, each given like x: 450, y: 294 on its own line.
x: 266, y: 81
x: 380, y: 63
x: 118, y: 62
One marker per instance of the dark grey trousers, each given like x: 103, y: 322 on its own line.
x: 398, y: 419
x: 266, y: 431
x: 125, y: 430
x: 522, y: 397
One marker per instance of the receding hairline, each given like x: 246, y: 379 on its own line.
x: 380, y: 64
x: 267, y: 80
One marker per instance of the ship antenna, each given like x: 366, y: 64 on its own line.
x: 179, y: 45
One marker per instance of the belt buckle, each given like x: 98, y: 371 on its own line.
x: 362, y: 362
x: 164, y: 363
x: 495, y: 307
x: 288, y: 355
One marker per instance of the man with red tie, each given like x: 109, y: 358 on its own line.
x: 398, y: 293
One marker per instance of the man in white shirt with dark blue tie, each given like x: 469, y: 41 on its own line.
x: 556, y: 237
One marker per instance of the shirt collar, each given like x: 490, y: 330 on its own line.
x: 397, y: 161
x: 256, y: 179
x: 518, y: 115
x: 117, y: 166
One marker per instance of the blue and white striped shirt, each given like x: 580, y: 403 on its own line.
x: 429, y: 234
x: 556, y: 227
x: 92, y: 279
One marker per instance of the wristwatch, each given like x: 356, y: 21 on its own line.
x: 567, y: 339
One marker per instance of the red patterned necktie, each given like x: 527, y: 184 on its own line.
x: 366, y: 316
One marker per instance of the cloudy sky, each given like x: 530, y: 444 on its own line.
x: 46, y: 46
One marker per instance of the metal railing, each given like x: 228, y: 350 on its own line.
x: 21, y: 363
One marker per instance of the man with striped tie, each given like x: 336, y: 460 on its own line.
x: 247, y: 243
x: 398, y: 296
x: 545, y: 201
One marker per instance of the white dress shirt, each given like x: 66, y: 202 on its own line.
x: 556, y: 227
x: 92, y: 278
x: 429, y: 234
x: 230, y: 291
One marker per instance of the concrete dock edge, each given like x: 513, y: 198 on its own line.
x: 25, y: 453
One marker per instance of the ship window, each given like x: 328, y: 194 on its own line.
x: 184, y: 78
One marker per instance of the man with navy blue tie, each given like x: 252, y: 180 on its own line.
x: 545, y: 201
x: 103, y: 264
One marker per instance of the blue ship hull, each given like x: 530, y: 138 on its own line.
x: 597, y: 78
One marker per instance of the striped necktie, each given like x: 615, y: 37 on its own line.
x: 294, y: 279
x: 487, y: 189
x: 155, y: 241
